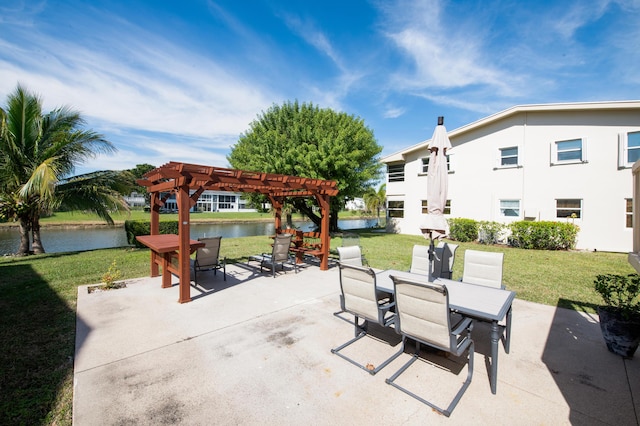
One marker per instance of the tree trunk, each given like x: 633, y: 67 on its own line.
x: 289, y: 219
x: 307, y: 211
x: 35, y: 230
x: 25, y: 228
x: 333, y: 220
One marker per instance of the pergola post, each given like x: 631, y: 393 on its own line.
x: 154, y: 225
x: 325, y: 238
x: 277, y: 205
x: 184, y: 204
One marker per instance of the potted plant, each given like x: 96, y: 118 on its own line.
x: 620, y: 316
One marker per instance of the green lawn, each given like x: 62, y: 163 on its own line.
x: 38, y: 304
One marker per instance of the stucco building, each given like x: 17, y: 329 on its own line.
x: 552, y: 162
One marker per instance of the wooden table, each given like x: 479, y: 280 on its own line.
x: 164, y: 248
x: 476, y: 301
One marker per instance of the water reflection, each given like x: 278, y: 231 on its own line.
x: 61, y: 240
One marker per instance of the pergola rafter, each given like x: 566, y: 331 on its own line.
x: 182, y: 178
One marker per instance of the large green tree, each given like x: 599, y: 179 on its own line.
x: 308, y: 141
x: 38, y: 154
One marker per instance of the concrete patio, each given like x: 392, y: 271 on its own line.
x: 256, y: 350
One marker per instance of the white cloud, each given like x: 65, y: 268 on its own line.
x: 444, y: 56
x: 141, y: 82
x: 393, y: 112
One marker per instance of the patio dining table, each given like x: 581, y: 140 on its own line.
x: 479, y: 302
x: 164, y: 248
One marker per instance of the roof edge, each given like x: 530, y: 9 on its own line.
x: 565, y: 106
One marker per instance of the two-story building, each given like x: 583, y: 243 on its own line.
x: 552, y: 162
x: 214, y: 201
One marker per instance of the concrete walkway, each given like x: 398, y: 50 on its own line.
x: 256, y: 350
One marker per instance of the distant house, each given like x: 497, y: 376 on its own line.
x: 355, y: 204
x: 552, y: 162
x: 214, y: 201
x: 135, y: 199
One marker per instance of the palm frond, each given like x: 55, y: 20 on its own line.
x: 97, y: 192
x: 42, y: 182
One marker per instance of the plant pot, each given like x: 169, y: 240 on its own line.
x: 622, y: 335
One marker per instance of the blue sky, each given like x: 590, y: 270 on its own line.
x: 181, y: 80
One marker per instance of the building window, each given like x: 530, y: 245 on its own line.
x: 509, y: 157
x: 629, y: 146
x: 425, y: 164
x: 569, y: 151
x: 226, y: 202
x: 569, y: 208
x: 396, y: 208
x: 510, y: 208
x: 629, y: 212
x: 425, y: 207
x: 395, y: 172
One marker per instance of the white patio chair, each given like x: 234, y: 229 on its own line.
x: 361, y: 299
x: 485, y: 268
x: 423, y: 315
x: 443, y: 260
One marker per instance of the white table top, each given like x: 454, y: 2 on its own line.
x: 485, y: 303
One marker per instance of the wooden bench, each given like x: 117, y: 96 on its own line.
x: 305, y: 243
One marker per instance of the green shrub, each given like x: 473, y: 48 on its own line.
x: 490, y: 232
x: 463, y: 230
x: 620, y: 292
x: 543, y: 235
x: 133, y: 228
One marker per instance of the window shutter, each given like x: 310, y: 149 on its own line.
x: 622, y: 150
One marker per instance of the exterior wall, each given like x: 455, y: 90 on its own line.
x: 477, y: 183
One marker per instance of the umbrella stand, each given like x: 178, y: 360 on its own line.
x: 432, y: 257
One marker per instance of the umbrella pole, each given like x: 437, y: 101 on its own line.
x: 432, y: 255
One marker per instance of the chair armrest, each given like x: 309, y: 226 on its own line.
x: 387, y: 306
x: 465, y: 323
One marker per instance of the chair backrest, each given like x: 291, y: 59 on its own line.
x: 281, y: 246
x: 445, y: 253
x: 209, y: 254
x: 483, y: 268
x: 358, y: 286
x: 422, y: 312
x: 420, y: 260
x: 351, y: 255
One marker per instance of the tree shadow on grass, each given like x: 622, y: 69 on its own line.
x: 37, y: 331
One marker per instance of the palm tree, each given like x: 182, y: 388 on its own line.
x: 37, y: 154
x: 375, y: 200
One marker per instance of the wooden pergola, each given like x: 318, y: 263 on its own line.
x: 189, y: 181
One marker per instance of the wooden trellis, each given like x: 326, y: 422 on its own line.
x: 182, y: 178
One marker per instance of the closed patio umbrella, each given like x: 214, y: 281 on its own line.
x: 435, y: 225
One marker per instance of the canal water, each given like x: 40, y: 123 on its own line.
x: 57, y: 240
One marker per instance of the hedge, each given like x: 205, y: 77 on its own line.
x: 463, y: 230
x: 133, y: 228
x: 543, y: 235
x: 490, y: 232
